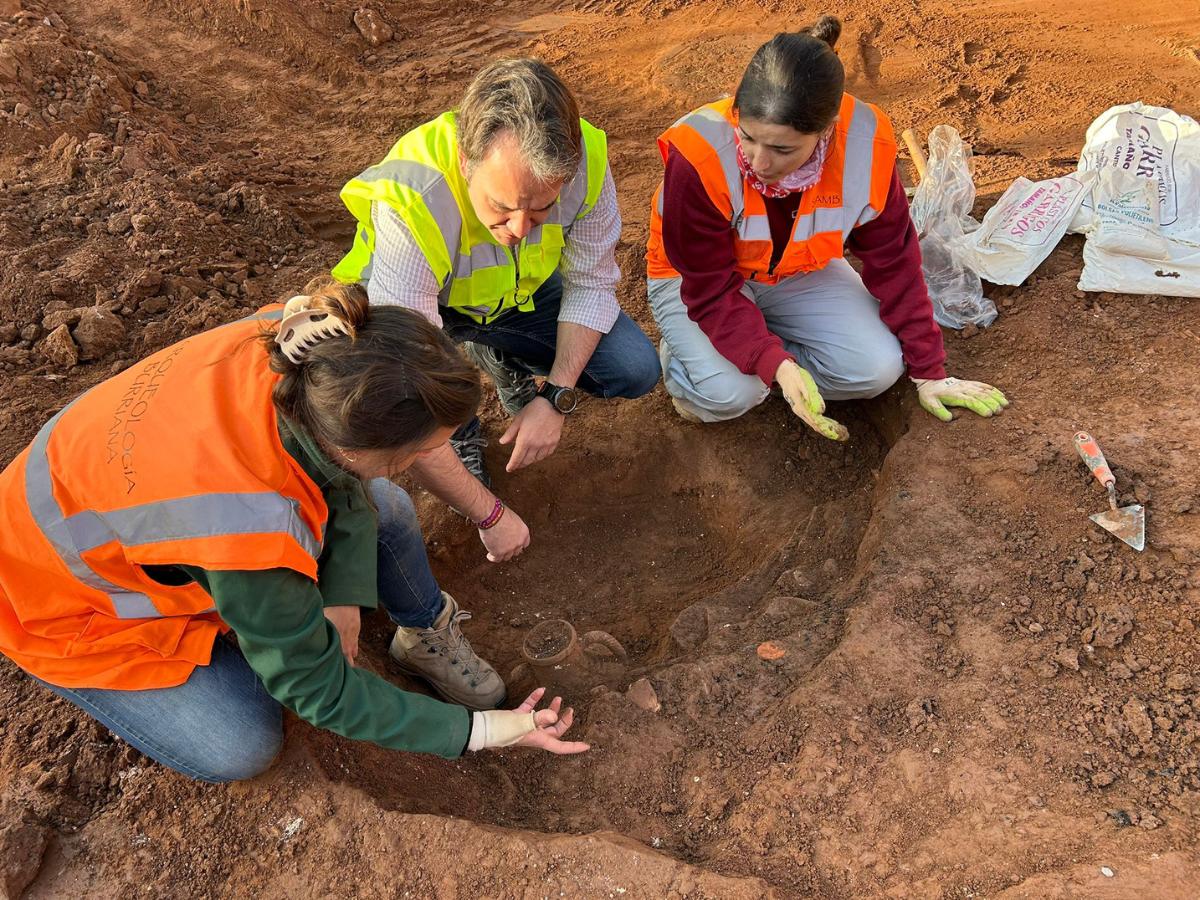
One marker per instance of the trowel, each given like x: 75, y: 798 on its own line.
x: 1126, y: 522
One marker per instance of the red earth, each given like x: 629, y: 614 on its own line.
x: 969, y: 690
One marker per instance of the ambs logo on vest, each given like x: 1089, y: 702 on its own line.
x: 122, y: 433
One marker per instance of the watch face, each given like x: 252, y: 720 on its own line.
x: 566, y: 400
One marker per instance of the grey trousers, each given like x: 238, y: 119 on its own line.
x: 826, y: 319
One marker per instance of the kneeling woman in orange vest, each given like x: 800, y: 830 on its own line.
x: 223, y: 484
x: 747, y: 279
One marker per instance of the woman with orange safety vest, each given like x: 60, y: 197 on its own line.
x: 238, y: 481
x: 761, y: 195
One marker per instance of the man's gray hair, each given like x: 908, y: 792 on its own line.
x: 524, y: 99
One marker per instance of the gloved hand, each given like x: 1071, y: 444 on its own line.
x: 936, y: 394
x: 500, y: 728
x: 526, y: 727
x: 802, y: 396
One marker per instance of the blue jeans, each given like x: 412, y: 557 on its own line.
x: 221, y: 724
x: 624, y: 363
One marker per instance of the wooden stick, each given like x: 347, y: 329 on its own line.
x: 914, y: 150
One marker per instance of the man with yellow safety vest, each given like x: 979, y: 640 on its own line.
x: 498, y: 221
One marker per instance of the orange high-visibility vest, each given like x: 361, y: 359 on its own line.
x: 177, y: 460
x: 853, y: 190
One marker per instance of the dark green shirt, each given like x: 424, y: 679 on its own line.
x: 278, y: 616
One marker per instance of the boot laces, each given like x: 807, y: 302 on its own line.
x: 470, y: 451
x: 450, y: 641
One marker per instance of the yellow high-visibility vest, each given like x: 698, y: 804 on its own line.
x: 421, y: 180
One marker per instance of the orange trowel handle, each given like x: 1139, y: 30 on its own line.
x: 1090, y: 451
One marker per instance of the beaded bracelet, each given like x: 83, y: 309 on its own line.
x: 493, y: 517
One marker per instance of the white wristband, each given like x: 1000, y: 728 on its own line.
x: 499, y: 728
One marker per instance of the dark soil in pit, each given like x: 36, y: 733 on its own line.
x: 980, y: 693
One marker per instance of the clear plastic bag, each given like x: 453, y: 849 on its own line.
x: 941, y: 210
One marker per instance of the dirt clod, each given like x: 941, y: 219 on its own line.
x: 371, y: 25
x: 60, y: 348
x: 642, y: 695
x: 99, y: 332
x: 22, y: 847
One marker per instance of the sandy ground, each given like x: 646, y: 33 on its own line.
x: 981, y: 695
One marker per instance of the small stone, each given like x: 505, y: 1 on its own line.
x: 60, y: 349
x: 119, y: 223
x: 69, y: 317
x: 143, y: 89
x: 152, y: 306
x: 141, y: 222
x: 31, y: 332
x: 1180, y: 681
x: 1103, y: 779
x: 213, y: 219
x: 372, y: 26
x: 1106, y: 872
x: 769, y: 651
x: 20, y: 110
x: 642, y: 695
x: 191, y: 119
x: 1150, y: 821
x: 9, y: 333
x: 1137, y: 719
x: 1036, y: 628
x: 145, y: 284
x: 1068, y: 658
x: 99, y: 332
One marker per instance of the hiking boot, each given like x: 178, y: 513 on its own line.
x: 469, y: 444
x: 516, y: 388
x: 443, y: 657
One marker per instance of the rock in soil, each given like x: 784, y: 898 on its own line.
x: 22, y: 847
x: 99, y: 332
x: 371, y: 26
x: 60, y: 349
x: 642, y: 695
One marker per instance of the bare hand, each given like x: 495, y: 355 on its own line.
x: 347, y: 620
x: 551, y: 726
x: 507, y: 538
x: 536, y: 430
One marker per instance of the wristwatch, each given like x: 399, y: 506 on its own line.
x: 563, y: 399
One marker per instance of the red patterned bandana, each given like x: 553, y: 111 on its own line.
x: 801, y: 179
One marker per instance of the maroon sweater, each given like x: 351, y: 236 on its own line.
x: 698, y: 243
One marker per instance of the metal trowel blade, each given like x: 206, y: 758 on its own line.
x: 1128, y: 523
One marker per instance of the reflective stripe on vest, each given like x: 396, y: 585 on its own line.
x: 420, y: 181
x: 202, y: 516
x: 857, y: 170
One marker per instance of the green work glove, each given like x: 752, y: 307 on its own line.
x: 806, y: 402
x: 937, y: 394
